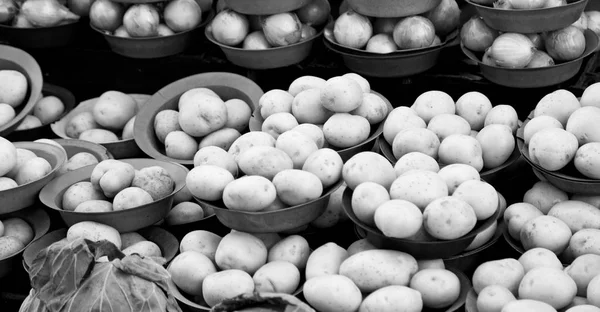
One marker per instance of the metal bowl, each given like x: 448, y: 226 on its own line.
x: 265, y: 7
x: 153, y: 47
x: 534, y: 77
x: 124, y: 220
x: 19, y: 60
x: 392, y: 8
x: 531, y: 21
x: 119, y: 149
x: 40, y: 37
x: 226, y: 85
x: 272, y: 221
x: 74, y: 146
x: 33, y: 134
x: 38, y: 220
x: 435, y: 249
x: 25, y: 195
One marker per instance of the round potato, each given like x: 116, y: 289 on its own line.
x: 7, y: 183
x: 293, y: 249
x: 456, y: 174
x: 415, y: 160
x: 13, y: 87
x: 553, y: 156
x: 582, y: 270
x: 144, y: 249
x: 312, y: 131
x: 180, y: 145
x: 444, y: 125
x: 241, y: 251
x: 201, y: 114
x: 296, y: 187
x: 420, y: 187
x: 78, y: 193
x: 332, y: 293
x: 297, y: 145
x: 325, y: 260
x: 304, y: 83
x: 113, y: 109
x: 201, y: 241
x: 344, y: 130
x: 538, y: 123
x: 480, y: 195
x: 360, y: 246
x: 391, y: 299
x: 368, y: 167
x: 439, y: 288
x: 307, y: 107
x: 546, y: 232
x: 216, y: 156
x: 18, y: 228
x: 544, y: 196
x: 550, y: 285
x: 473, y: 107
x: 539, y: 258
x: 29, y: 122
x: 183, y: 213
x: 98, y: 136
x: 366, y: 198
x: 493, y: 298
x: 503, y: 272
x: 278, y: 123
x: 10, y: 245
x: 449, y: 218
x: 586, y: 241
x: 247, y: 140
x: 77, y: 161
x: 131, y: 197
x: 461, y: 149
x: 208, y: 182
x: 502, y: 115
x: 112, y: 176
x: 586, y: 160
x: 277, y: 277
x: 398, y: 218
x: 249, y: 193
x: 8, y: 156
x: 222, y: 138
x: 264, y: 161
x: 238, y: 114
x: 33, y: 170
x: 432, y: 103
x: 189, y: 269
x: 401, y: 118
x: 326, y: 164
x: 165, y: 122
x: 80, y: 123
x: 94, y: 231
x: 275, y: 101
x: 516, y: 215
x: 341, y: 94
x: 373, y: 108
x: 497, y: 143
x: 94, y: 206
x: 416, y: 140
x: 7, y: 113
x: 559, y: 104
x: 23, y: 156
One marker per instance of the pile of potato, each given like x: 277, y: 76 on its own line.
x: 15, y: 234
x: 20, y: 166
x: 469, y: 131
x: 47, y: 110
x: 13, y: 90
x: 115, y: 185
x: 537, y: 281
x: 550, y: 219
x: 342, y: 107
x: 564, y: 130
x: 202, y: 119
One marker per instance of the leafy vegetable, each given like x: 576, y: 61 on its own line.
x: 262, y: 302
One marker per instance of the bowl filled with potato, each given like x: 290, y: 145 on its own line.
x: 81, y: 153
x: 107, y: 120
x: 210, y: 109
x: 127, y: 195
x: 341, y: 113
x: 25, y: 168
x: 20, y: 229
x: 21, y: 80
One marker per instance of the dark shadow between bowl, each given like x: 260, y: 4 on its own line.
x: 40, y: 37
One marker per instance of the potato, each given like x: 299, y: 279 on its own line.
x: 111, y: 176
x: 131, y: 197
x: 307, y: 107
x: 584, y: 308
x: 293, y: 249
x: 77, y: 161
x: 391, y: 299
x: 144, y: 249
x: 586, y: 160
x: 242, y: 251
x: 304, y: 83
x: 456, y: 174
x: 247, y: 140
x: 582, y: 270
x: 559, y: 104
x: 13, y: 87
x: 155, y: 180
x: 249, y: 193
x: 222, y: 138
x: 576, y: 214
x: 363, y: 82
x: 516, y: 215
x: 130, y: 239
x: 98, y: 136
x: 7, y: 113
x: 480, y: 195
x: 201, y: 114
x: 18, y: 228
x: 374, y: 269
x: 275, y: 205
x: 80, y: 123
x: 360, y: 246
x: 275, y: 101
x: 449, y: 218
x: 264, y: 161
x: 538, y: 123
x: 420, y: 140
x: 483, y: 237
x: 586, y: 241
x: 432, y: 103
x: 539, y: 258
x: 473, y: 107
x: 208, y: 182
x: 94, y: 231
x: 593, y: 291
x: 544, y: 196
x: 549, y: 285
x: 312, y: 131
x: 94, y: 206
x: 415, y: 160
x: 184, y: 213
x: 189, y: 269
x: 7, y: 183
x: 113, y: 109
x: 201, y: 241
x: 326, y: 164
x: 341, y: 94
x: 9, y: 245
x: 23, y: 156
x: 277, y: 277
x: 493, y: 298
x: 332, y: 293
x: 546, y: 232
x: 578, y: 301
x: 461, y: 149
x: 344, y: 130
x: 33, y: 170
x: 78, y: 193
x: 325, y: 260
x: 398, y: 218
x: 29, y: 122
x: 420, y: 187
x: 278, y: 123
x: 522, y: 305
x: 368, y: 167
x: 334, y: 213
x: 504, y: 272
x: 366, y: 198
x: 444, y: 125
x: 497, y: 143
x: 552, y: 156
x: 401, y: 118
x: 180, y: 145
x: 182, y: 196
x: 439, y: 288
x: 502, y: 115
x: 213, y: 155
x: 296, y: 187
x: 582, y: 124
x: 238, y: 114
x: 165, y: 122
x: 128, y: 129
x: 373, y: 108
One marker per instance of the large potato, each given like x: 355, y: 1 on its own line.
x: 80, y: 123
x: 432, y: 103
x: 204, y: 242
x: 332, y: 293
x: 277, y: 277
x: 554, y: 154
x: 18, y: 228
x: 13, y: 87
x: 539, y: 258
x: 582, y: 123
x: 114, y: 109
x: 48, y: 109
x: 368, y: 167
x: 238, y: 114
x: 212, y: 155
x: 9, y: 245
x: 577, y: 215
x: 522, y: 305
x: 144, y: 249
x: 461, y: 149
x: 449, y: 218
x: 360, y: 246
x: 344, y: 130
x: 586, y: 160
x: 131, y: 197
x: 98, y: 136
x: 23, y: 156
x: 180, y: 145
x: 94, y: 231
x: 550, y: 285
x: 312, y: 131
x: 242, y: 251
x: 420, y: 187
x: 278, y: 123
x: 78, y: 193
x: 480, y: 195
x: 208, y: 182
x: 398, y: 218
x: 341, y: 94
x: 497, y: 143
x: 326, y: 164
x: 165, y: 122
x: 297, y: 145
x: 444, y: 125
x: 439, y: 288
x: 516, y: 215
x: 304, y: 83
x: 366, y: 198
x: 155, y: 180
x: 296, y: 187
x: 33, y: 170
x: 391, y: 299
x: 415, y: 160
x: 456, y: 174
x: 546, y: 232
x: 544, y: 196
x: 373, y: 269
x: 294, y: 249
x: 373, y: 108
x: 420, y: 140
x: 77, y: 161
x: 226, y: 284
x: 275, y: 101
x: 265, y: 161
x: 473, y: 107
x: 325, y: 260
x: 502, y: 115
x: 111, y: 176
x: 586, y: 241
x: 582, y: 270
x: 504, y: 272
x: 401, y: 118
x: 222, y: 138
x: 307, y: 107
x: 538, y: 123
x: 249, y: 193
x: 94, y: 206
x: 201, y: 114
x: 493, y: 298
x: 559, y: 104
x: 247, y: 140
x: 188, y: 271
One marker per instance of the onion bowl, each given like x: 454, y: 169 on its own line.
x: 40, y: 37
x: 392, y: 8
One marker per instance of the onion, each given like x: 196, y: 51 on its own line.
x: 307, y: 32
x: 46, y: 13
x: 593, y: 18
x: 487, y: 59
x: 282, y: 29
x: 164, y: 30
x: 582, y: 22
x: 526, y: 4
x: 182, y: 15
x: 382, y: 44
x: 21, y: 22
x: 8, y: 10
x: 352, y: 30
x: 229, y: 27
x: 445, y: 17
x: 565, y: 44
x: 80, y: 7
x: 315, y: 13
x: 537, y: 40
x: 383, y: 25
x: 476, y: 35
x: 141, y: 20
x: 414, y: 32
x: 121, y: 32
x: 554, y: 3
x: 256, y: 41
x: 503, y: 5
x: 436, y: 41
x: 106, y: 15
x: 540, y: 59
x: 512, y: 50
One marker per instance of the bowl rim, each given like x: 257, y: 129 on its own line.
x: 91, y: 146
x: 29, y: 211
x: 61, y: 93
x: 70, y: 23
x: 511, y: 11
x: 48, y: 197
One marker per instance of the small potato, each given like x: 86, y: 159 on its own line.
x: 420, y: 187
x: 326, y: 164
x: 94, y: 206
x: 473, y: 107
x: 29, y: 122
x: 189, y: 269
x: 201, y: 114
x: 128, y: 129
x: 480, y: 195
x: 112, y: 176
x: 238, y: 114
x: 297, y: 145
x: 183, y: 213
x: 332, y: 293
x: 10, y: 245
x: 275, y: 101
x: 391, y: 299
x: 398, y: 218
x: 546, y: 232
x: 360, y: 246
x: 201, y: 241
x: 242, y: 251
x: 165, y: 122
x: 7, y: 183
x: 277, y: 277
x: 131, y: 197
x: 586, y: 241
x: 503, y: 115
x: 493, y: 298
x: 516, y: 215
x: 456, y: 174
x: 304, y: 83
x: 449, y: 218
x: 539, y: 258
x: 444, y: 125
x: 208, y: 182
x: 94, y: 231
x: 18, y: 228
x: 461, y: 149
x: 131, y: 238
x: 33, y: 170
x: 577, y: 215
x: 497, y: 143
x: 439, y: 287
x: 98, y: 136
x: 582, y: 270
x: 401, y: 118
x: 265, y: 161
x: 416, y: 140
x: 373, y: 108
x: 213, y: 155
x: 249, y: 139
x: 415, y: 160
x: 544, y: 196
x: 334, y: 213
x: 77, y: 161
x: 325, y: 260
x: 432, y: 103
x: 249, y: 193
x: 180, y: 145
x: 23, y: 156
x: 155, y: 180
x: 222, y: 138
x: 549, y: 285
x: 344, y: 130
x: 144, y: 249
x: 113, y: 109
x: 296, y: 187
x: 307, y: 107
x: 78, y: 193
x: 312, y: 131
x: 503, y: 272
x: 341, y: 94
x: 80, y: 123
x: 293, y: 249
x: 366, y: 198
x: 368, y: 167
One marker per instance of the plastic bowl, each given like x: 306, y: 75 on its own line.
x: 272, y: 221
x: 226, y: 85
x: 392, y: 8
x: 39, y: 38
x: 119, y: 149
x: 74, y: 146
x: 153, y: 47
x: 19, y: 60
x: 42, y: 132
x: 125, y: 220
x: 40, y: 222
x: 534, y: 77
x: 265, y: 7
x: 531, y: 21
x: 438, y: 249
x: 25, y: 195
